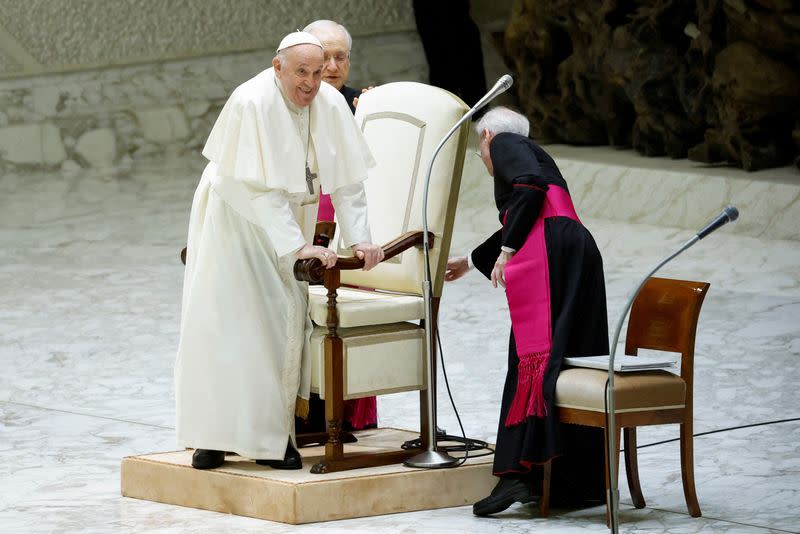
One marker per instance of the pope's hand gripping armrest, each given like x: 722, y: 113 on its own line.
x: 312, y: 271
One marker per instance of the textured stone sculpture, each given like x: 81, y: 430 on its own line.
x: 714, y: 80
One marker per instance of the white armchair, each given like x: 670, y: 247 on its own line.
x: 369, y: 337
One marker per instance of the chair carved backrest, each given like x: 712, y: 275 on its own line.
x: 664, y: 317
x: 403, y: 123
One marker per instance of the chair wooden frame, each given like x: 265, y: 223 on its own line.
x: 664, y: 317
x: 312, y: 271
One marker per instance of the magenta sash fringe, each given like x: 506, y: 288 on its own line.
x: 527, y: 278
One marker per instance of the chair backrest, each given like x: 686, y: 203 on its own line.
x: 664, y: 317
x: 403, y: 123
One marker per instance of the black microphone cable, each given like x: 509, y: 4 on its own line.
x: 718, y: 430
x: 466, y: 444
x: 707, y: 432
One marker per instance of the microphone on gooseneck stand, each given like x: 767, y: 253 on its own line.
x: 729, y: 214
x: 433, y: 457
x: 501, y: 86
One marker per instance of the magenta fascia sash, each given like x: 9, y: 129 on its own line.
x: 527, y: 277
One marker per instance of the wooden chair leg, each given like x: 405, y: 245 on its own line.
x: 320, y: 438
x: 687, y: 468
x: 334, y: 402
x: 632, y: 467
x: 608, y: 473
x: 544, y: 500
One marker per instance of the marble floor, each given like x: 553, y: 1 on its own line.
x: 90, y: 285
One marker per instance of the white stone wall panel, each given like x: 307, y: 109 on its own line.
x: 97, y: 147
x: 74, y: 34
x: 8, y: 65
x: 32, y: 144
x: 152, y: 106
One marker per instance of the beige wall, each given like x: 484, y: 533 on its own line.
x: 47, y: 36
x: 94, y: 83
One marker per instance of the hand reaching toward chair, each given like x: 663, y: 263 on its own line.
x: 457, y: 267
x: 355, y: 100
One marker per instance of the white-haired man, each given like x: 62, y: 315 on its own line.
x: 244, y: 322
x: 336, y: 43
x: 552, y: 273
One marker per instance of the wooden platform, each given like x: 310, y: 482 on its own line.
x: 242, y: 487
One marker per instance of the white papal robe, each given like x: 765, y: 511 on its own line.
x: 244, y: 323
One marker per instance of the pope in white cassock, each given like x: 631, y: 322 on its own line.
x: 244, y: 323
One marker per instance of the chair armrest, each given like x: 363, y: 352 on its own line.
x: 312, y: 271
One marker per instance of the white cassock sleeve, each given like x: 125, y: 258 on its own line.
x: 276, y: 217
x: 350, y: 204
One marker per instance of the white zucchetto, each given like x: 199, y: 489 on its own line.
x: 297, y: 38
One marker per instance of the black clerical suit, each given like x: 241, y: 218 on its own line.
x: 523, y: 175
x: 349, y: 94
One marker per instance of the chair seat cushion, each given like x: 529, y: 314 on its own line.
x: 376, y: 360
x: 584, y: 389
x: 358, y: 307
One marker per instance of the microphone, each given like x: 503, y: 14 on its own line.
x: 432, y: 457
x: 729, y: 214
x: 500, y: 87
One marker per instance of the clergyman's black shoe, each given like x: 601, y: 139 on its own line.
x: 505, y: 493
x: 207, y: 459
x: 291, y: 460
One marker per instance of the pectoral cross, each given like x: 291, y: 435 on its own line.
x: 310, y: 176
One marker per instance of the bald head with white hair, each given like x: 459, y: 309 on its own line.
x: 336, y: 43
x: 502, y: 119
x: 499, y: 120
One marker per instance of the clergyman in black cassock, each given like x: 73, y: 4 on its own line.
x: 553, y: 274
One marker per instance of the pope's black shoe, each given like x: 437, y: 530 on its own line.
x: 291, y: 460
x: 505, y: 493
x: 207, y: 458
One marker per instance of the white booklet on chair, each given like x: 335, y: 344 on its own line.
x: 624, y: 363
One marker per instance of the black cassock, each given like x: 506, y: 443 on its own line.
x: 524, y: 174
x: 349, y: 94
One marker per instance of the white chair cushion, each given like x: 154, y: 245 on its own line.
x: 377, y: 359
x: 359, y: 307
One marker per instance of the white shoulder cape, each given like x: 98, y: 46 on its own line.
x: 255, y: 140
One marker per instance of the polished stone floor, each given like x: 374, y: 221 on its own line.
x: 90, y: 287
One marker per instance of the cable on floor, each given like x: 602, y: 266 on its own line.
x: 465, y: 444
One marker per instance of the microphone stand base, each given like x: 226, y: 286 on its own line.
x: 431, y: 460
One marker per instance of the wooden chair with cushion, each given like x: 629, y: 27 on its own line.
x: 368, y: 338
x: 664, y: 317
